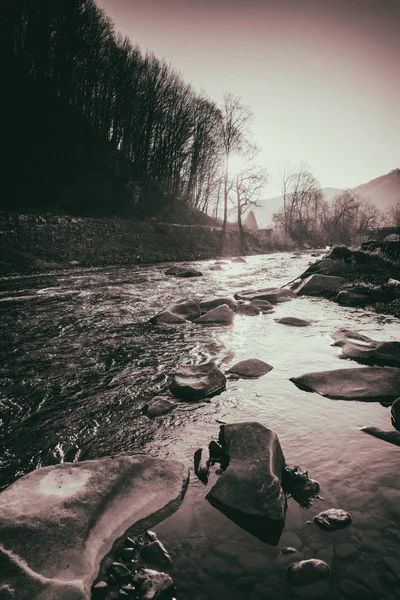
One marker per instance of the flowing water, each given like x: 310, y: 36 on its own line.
x: 78, y: 359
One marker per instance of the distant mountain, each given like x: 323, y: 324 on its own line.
x: 383, y: 191
x: 267, y: 208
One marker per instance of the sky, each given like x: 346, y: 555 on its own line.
x: 321, y: 76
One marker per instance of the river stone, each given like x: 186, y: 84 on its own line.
x: 221, y: 315
x: 356, y: 298
x: 238, y: 259
x: 363, y: 383
x: 255, y: 562
x: 250, y: 368
x: 195, y: 382
x: 332, y: 519
x: 155, y: 553
x: 393, y: 437
x: 249, y: 310
x: 308, y: 571
x: 206, y: 305
x: 167, y: 318
x: 272, y: 295
x: 153, y: 584
x: 294, y: 321
x: 216, y: 268
x: 365, y: 350
x: 57, y: 523
x: 178, y: 271
x: 353, y: 589
x: 346, y: 551
x: 99, y: 591
x: 317, y: 285
x: 286, y: 557
x: 262, y: 305
x: 120, y: 572
x: 158, y: 406
x: 249, y: 491
x: 395, y: 414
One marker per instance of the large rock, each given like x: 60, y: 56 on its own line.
x: 395, y: 413
x: 158, y: 406
x: 355, y: 297
x: 195, y: 382
x: 365, y: 350
x: 294, y: 321
x: 179, y: 271
x: 57, y: 523
x: 238, y: 259
x: 362, y: 383
x: 332, y: 519
x: 178, y: 313
x: 206, y: 305
x: 310, y: 578
x: 318, y: 285
x: 221, y: 315
x: 252, y: 367
x: 262, y: 305
x: 248, y: 310
x: 167, y: 318
x: 249, y: 491
x: 272, y: 295
x: 153, y: 584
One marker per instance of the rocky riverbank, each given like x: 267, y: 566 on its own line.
x: 32, y: 243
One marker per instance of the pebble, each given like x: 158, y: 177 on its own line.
x: 285, y: 558
x: 326, y: 556
x: 332, y: 519
x: 245, y: 582
x: 346, y: 551
x: 217, y: 566
x: 308, y: 571
x: 352, y: 589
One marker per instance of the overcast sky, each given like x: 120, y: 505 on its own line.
x: 322, y: 76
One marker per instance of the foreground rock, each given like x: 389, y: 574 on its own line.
x: 311, y: 577
x: 158, y: 406
x: 365, y: 350
x: 57, y: 523
x: 154, y: 584
x: 393, y: 437
x: 317, y: 285
x: 332, y: 519
x: 363, y: 383
x: 262, y: 305
x: 248, y: 310
x: 395, y: 413
x: 206, y: 305
x: 221, y: 315
x: 183, y: 272
x: 195, y: 382
x: 272, y: 295
x: 249, y: 491
x: 294, y: 321
x: 251, y: 368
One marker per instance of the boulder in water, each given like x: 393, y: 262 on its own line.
x: 195, y: 382
x: 206, y: 305
x: 365, y: 350
x: 262, y: 305
x: 158, y: 406
x: 272, y: 295
x: 318, y: 285
x: 216, y: 268
x: 355, y: 297
x: 332, y: 519
x: 250, y: 368
x: 221, y: 315
x: 238, y: 259
x: 153, y: 584
x: 393, y: 437
x: 395, y: 413
x: 310, y: 578
x: 178, y: 313
x: 57, y: 523
x: 167, y: 318
x: 249, y: 491
x: 362, y: 383
x: 248, y: 310
x: 179, y: 271
x: 294, y: 321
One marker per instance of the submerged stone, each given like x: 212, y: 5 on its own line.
x: 317, y: 285
x: 271, y: 294
x: 158, y: 406
x: 249, y: 310
x: 294, y: 321
x: 195, y: 382
x: 249, y: 491
x: 206, y: 305
x: 362, y: 383
x: 153, y: 584
x: 221, y: 315
x: 308, y: 571
x: 393, y: 437
x: 332, y: 519
x: 365, y: 350
x: 179, y: 271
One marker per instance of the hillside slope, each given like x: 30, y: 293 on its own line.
x: 383, y: 191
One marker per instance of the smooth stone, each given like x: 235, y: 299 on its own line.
x: 294, y: 321
x: 120, y: 572
x: 195, y: 382
x: 57, y: 523
x: 167, y: 318
x: 207, y: 305
x: 353, y: 589
x: 238, y: 259
x: 332, y: 519
x: 249, y: 491
x: 262, y: 305
x: 287, y: 557
x: 99, y: 591
x: 255, y: 562
x: 158, y: 406
x: 201, y: 464
x: 216, y: 268
x: 360, y: 298
x: 222, y: 315
x: 365, y: 350
x: 189, y: 309
x: 308, y: 571
x: 317, y: 589
x: 248, y: 310
x: 178, y: 271
x: 152, y: 584
x: 251, y: 368
x: 346, y: 551
x: 155, y: 553
x: 272, y: 295
x: 325, y: 555
x: 361, y: 383
x: 393, y: 437
x: 316, y: 285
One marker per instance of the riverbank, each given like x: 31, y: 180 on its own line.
x: 34, y: 244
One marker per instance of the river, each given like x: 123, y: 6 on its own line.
x: 78, y: 359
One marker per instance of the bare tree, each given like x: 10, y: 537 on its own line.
x: 393, y: 215
x: 235, y: 119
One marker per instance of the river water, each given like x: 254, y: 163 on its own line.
x: 78, y: 359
